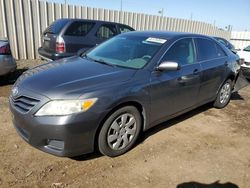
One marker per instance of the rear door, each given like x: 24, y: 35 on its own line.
x: 51, y: 33
x: 76, y: 36
x: 104, y: 32
x: 214, y: 64
x: 175, y: 91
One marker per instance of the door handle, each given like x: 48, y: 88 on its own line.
x: 186, y: 79
x: 189, y: 78
x: 226, y: 63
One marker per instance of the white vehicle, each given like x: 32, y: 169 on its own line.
x: 245, y: 54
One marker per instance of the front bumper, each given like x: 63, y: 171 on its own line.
x: 7, y: 64
x: 67, y: 136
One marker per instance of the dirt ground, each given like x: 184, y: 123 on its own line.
x: 196, y: 149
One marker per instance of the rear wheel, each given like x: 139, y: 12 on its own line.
x: 224, y: 95
x: 120, y: 131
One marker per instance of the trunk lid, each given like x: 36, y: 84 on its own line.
x: 49, y: 42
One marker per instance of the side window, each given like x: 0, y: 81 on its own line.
x: 124, y: 29
x: 208, y: 49
x: 106, y: 31
x: 181, y: 52
x: 79, y: 29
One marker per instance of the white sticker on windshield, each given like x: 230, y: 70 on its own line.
x: 156, y: 40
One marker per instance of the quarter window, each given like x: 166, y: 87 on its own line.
x: 181, y: 52
x: 220, y: 51
x: 79, y: 29
x: 106, y: 31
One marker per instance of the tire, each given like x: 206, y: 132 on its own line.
x: 120, y: 131
x: 224, y: 95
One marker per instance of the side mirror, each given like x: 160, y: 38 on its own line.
x: 168, y: 66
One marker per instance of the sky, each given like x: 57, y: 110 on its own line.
x: 219, y: 12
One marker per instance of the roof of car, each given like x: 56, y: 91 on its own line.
x: 164, y: 34
x: 79, y: 19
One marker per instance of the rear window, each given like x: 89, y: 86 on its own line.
x: 124, y: 29
x: 207, y: 49
x: 79, y: 28
x: 56, y: 27
x: 106, y: 31
x: 222, y: 41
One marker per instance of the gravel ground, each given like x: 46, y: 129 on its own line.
x: 206, y: 147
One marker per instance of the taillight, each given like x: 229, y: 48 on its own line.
x: 5, y: 50
x: 60, y: 45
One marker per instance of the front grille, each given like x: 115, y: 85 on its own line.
x: 24, y: 103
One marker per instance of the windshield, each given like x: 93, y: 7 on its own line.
x: 247, y: 49
x: 127, y: 51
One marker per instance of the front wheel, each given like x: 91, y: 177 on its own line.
x: 120, y: 131
x: 224, y: 95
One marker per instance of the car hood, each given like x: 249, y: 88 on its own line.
x: 71, y: 77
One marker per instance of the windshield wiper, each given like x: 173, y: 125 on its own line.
x: 102, y: 62
x: 98, y: 60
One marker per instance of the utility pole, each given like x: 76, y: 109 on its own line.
x: 121, y: 8
x: 161, y: 12
x: 191, y: 16
x: 65, y: 2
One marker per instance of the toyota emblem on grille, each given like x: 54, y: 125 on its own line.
x: 14, y: 91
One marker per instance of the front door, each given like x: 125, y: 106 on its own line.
x: 175, y: 91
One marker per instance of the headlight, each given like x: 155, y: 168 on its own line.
x: 65, y: 107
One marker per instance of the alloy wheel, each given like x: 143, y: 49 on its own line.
x: 225, y: 93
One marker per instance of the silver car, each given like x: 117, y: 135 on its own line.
x: 7, y: 62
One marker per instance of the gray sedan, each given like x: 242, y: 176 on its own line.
x: 7, y: 62
x: 103, y: 99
